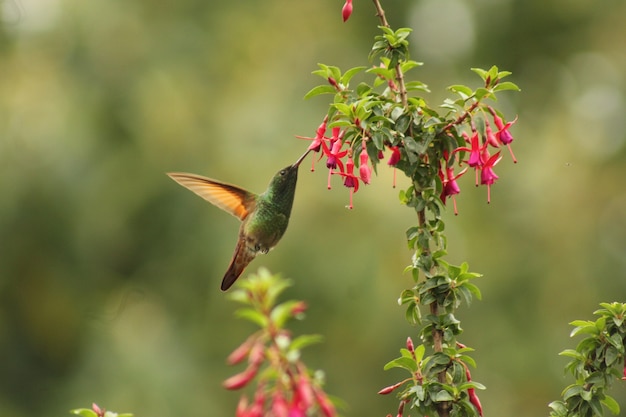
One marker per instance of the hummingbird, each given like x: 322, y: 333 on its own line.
x: 264, y: 217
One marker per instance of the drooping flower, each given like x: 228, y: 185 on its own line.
x: 334, y: 153
x: 346, y: 10
x: 279, y: 405
x: 475, y: 150
x: 450, y: 186
x: 393, y: 161
x: 350, y: 180
x: 395, y: 156
x: 503, y: 135
x: 365, y: 172
x: 487, y: 175
x: 318, y: 140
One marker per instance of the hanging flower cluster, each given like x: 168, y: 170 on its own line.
x: 285, y: 387
x: 477, y: 150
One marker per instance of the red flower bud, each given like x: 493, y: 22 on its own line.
x: 409, y: 344
x: 390, y: 388
x: 299, y: 308
x: 257, y: 354
x: 241, y: 379
x: 325, y: 405
x: 99, y: 412
x: 242, y: 406
x: 475, y: 401
x: 346, y: 11
x: 240, y: 353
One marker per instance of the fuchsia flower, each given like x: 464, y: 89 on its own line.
x: 365, y: 172
x: 346, y: 10
x: 317, y: 140
x: 487, y: 175
x: 393, y: 161
x: 395, y: 156
x: 503, y: 135
x: 334, y: 153
x: 450, y: 186
x: 350, y: 180
x: 475, y: 150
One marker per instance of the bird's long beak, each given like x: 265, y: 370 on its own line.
x: 301, y: 158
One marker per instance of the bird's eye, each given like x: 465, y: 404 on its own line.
x: 283, y: 172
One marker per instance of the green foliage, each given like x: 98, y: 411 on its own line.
x: 595, y: 363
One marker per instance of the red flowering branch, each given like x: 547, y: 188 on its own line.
x: 433, y: 146
x: 284, y: 385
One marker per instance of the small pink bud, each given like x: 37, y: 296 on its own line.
x: 241, y: 379
x: 242, y: 407
x: 332, y: 82
x: 409, y: 344
x: 240, y: 353
x: 99, y: 412
x: 325, y: 405
x: 299, y: 308
x: 346, y: 11
x: 390, y: 388
x: 257, y: 354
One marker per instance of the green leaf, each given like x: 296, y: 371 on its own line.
x: 558, y: 407
x: 363, y: 89
x: 571, y: 391
x: 588, y: 328
x: 611, y: 404
x: 481, y: 93
x: 507, y: 85
x: 611, y: 356
x: 464, y: 91
x: 305, y: 340
x: 347, y: 76
x: 473, y: 289
x: 571, y: 353
x: 419, y: 353
x: 401, y: 362
x: 481, y: 72
x: 416, y: 86
x: 318, y: 90
x: 471, y: 384
x: 442, y: 396
x: 85, y: 412
x: 252, y: 315
x: 282, y: 312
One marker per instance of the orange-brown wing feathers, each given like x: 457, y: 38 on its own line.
x: 229, y: 198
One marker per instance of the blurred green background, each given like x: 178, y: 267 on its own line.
x: 109, y: 271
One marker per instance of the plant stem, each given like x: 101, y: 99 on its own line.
x: 380, y: 12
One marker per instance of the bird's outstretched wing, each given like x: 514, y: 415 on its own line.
x: 229, y: 198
